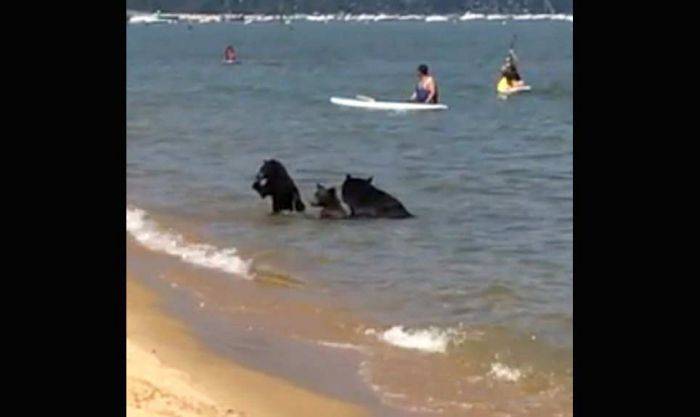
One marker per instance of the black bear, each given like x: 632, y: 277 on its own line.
x: 272, y: 179
x: 327, y: 199
x: 365, y: 200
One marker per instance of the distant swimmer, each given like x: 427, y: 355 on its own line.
x: 229, y: 55
x: 426, y: 89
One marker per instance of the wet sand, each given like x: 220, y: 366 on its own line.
x: 169, y: 373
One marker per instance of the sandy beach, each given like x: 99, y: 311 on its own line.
x: 169, y: 373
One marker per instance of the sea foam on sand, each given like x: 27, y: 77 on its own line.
x: 504, y: 372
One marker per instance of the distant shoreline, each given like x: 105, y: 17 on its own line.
x: 141, y: 17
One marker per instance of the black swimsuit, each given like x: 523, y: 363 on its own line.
x: 422, y: 94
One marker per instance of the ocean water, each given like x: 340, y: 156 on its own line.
x: 465, y: 309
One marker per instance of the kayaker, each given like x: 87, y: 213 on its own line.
x: 229, y: 54
x: 426, y: 90
x: 510, y: 72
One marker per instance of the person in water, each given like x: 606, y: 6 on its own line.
x: 426, y: 89
x: 229, y: 54
x: 509, y: 71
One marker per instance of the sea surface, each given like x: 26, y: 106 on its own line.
x: 464, y: 310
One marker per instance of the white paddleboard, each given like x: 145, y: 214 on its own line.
x: 385, y: 105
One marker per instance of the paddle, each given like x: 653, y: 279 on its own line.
x: 364, y: 98
x: 511, y: 51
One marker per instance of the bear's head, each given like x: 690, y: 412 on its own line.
x: 270, y: 171
x: 271, y: 168
x: 325, y: 197
x: 355, y: 186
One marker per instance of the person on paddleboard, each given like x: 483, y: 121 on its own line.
x: 229, y: 54
x: 426, y: 90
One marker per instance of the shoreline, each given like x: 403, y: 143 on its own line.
x: 292, y: 335
x: 144, y: 17
x: 170, y: 373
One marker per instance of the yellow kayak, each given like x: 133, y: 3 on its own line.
x: 504, y: 88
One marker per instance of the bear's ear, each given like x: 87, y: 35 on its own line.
x: 369, y: 180
x: 319, y: 186
x: 348, y: 177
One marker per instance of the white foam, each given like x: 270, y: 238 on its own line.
x: 504, y: 373
x: 149, y: 234
x: 432, y: 339
x: 346, y: 346
x: 472, y: 16
x: 149, y: 19
x: 321, y: 18
x: 437, y: 18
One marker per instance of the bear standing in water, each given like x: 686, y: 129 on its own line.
x: 365, y: 200
x: 273, y: 180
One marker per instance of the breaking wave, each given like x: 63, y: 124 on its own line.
x: 325, y: 18
x: 149, y: 234
x: 432, y: 339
